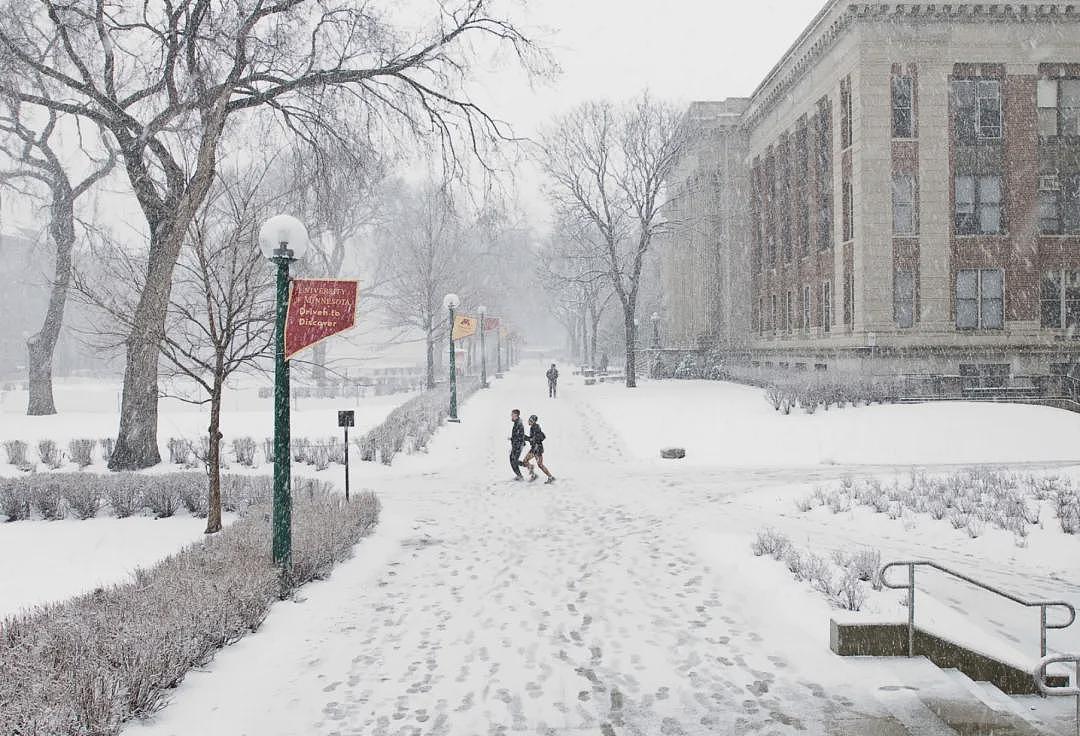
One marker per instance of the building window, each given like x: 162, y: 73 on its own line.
x: 904, y: 298
x: 849, y: 298
x: 802, y: 184
x: 978, y: 205
x: 903, y: 118
x: 806, y: 307
x: 826, y: 305
x: 846, y: 199
x: 761, y: 314
x: 790, y: 311
x: 977, y: 109
x: 1060, y: 298
x: 1059, y: 107
x: 824, y: 182
x: 980, y: 299
x: 845, y: 113
x: 903, y: 204
x: 1059, y: 204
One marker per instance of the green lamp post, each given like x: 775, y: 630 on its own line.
x: 282, y: 239
x: 451, y: 302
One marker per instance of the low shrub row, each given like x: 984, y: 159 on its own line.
x: 89, y: 664
x: 969, y: 501
x: 409, y: 427
x: 842, y: 577
x: 49, y: 453
x: 53, y: 496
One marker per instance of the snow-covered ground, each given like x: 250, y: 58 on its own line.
x: 44, y: 561
x: 623, y: 599
x: 48, y: 561
x: 731, y: 425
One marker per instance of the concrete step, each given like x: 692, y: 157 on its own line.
x: 913, y: 714
x: 1008, y: 710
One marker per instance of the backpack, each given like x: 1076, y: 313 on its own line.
x: 538, y: 436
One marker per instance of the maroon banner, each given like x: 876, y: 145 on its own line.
x: 491, y: 323
x: 318, y: 309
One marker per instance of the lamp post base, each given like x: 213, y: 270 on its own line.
x: 498, y: 376
x: 454, y: 420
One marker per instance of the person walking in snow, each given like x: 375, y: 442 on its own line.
x: 553, y: 381
x: 517, y: 444
x: 536, y: 439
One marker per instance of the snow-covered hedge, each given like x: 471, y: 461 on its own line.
x: 409, y: 427
x: 54, y: 496
x: 842, y: 578
x: 87, y: 665
x: 968, y: 501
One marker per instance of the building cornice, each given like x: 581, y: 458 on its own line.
x: 839, y: 15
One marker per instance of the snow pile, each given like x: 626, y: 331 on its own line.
x: 93, y: 662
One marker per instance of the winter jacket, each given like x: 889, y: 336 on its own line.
x: 517, y: 434
x: 536, y: 438
x: 553, y: 375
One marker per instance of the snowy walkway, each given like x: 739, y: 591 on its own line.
x: 601, y: 605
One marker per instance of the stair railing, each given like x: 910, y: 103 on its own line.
x: 909, y: 586
x: 1063, y: 690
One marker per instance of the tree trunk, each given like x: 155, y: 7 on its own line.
x: 41, y: 347
x: 631, y: 348
x: 318, y: 364
x: 136, y: 441
x: 430, y: 360
x: 595, y: 318
x: 213, y: 461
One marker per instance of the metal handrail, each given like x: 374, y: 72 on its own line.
x: 1063, y: 690
x: 910, y: 587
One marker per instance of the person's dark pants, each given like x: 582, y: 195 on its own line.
x: 551, y: 389
x: 515, y: 459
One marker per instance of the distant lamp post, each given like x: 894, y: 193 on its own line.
x: 498, y: 351
x: 451, y: 302
x: 482, y: 310
x: 655, y: 330
x: 282, y: 239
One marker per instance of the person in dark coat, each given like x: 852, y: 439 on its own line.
x: 553, y: 381
x: 536, y: 439
x: 517, y: 444
x: 603, y: 362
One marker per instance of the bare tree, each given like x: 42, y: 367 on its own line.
x: 221, y: 307
x: 336, y: 195
x: 422, y: 256
x: 608, y: 167
x: 28, y: 155
x: 166, y: 78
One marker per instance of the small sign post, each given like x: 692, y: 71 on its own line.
x: 346, y: 419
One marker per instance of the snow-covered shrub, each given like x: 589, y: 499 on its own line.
x: 865, y: 565
x: 975, y: 527
x: 161, y: 498
x: 838, y: 502
x: 410, y: 425
x: 14, y: 500
x: 775, y: 395
x: 770, y: 542
x: 1067, y: 506
x: 123, y: 495
x: 82, y: 452
x: 687, y: 368
x: 268, y: 450
x: 89, y: 664
x: 193, y: 497
x: 819, y: 573
x: 300, y: 449
x: 180, y: 450
x: 852, y: 593
x: 958, y: 519
x: 806, y: 503
x: 793, y: 560
x: 244, y: 449
x: 82, y: 494
x: 49, y: 454
x: 319, y: 456
x: 47, y: 497
x: 937, y: 509
x: 16, y: 452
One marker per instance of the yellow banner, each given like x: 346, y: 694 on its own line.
x: 464, y: 326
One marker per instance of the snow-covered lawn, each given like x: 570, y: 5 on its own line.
x: 731, y: 425
x: 43, y: 561
x: 47, y: 561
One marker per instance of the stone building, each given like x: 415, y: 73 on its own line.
x: 914, y: 192
x: 704, y: 249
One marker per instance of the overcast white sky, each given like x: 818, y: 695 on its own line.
x: 681, y: 50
